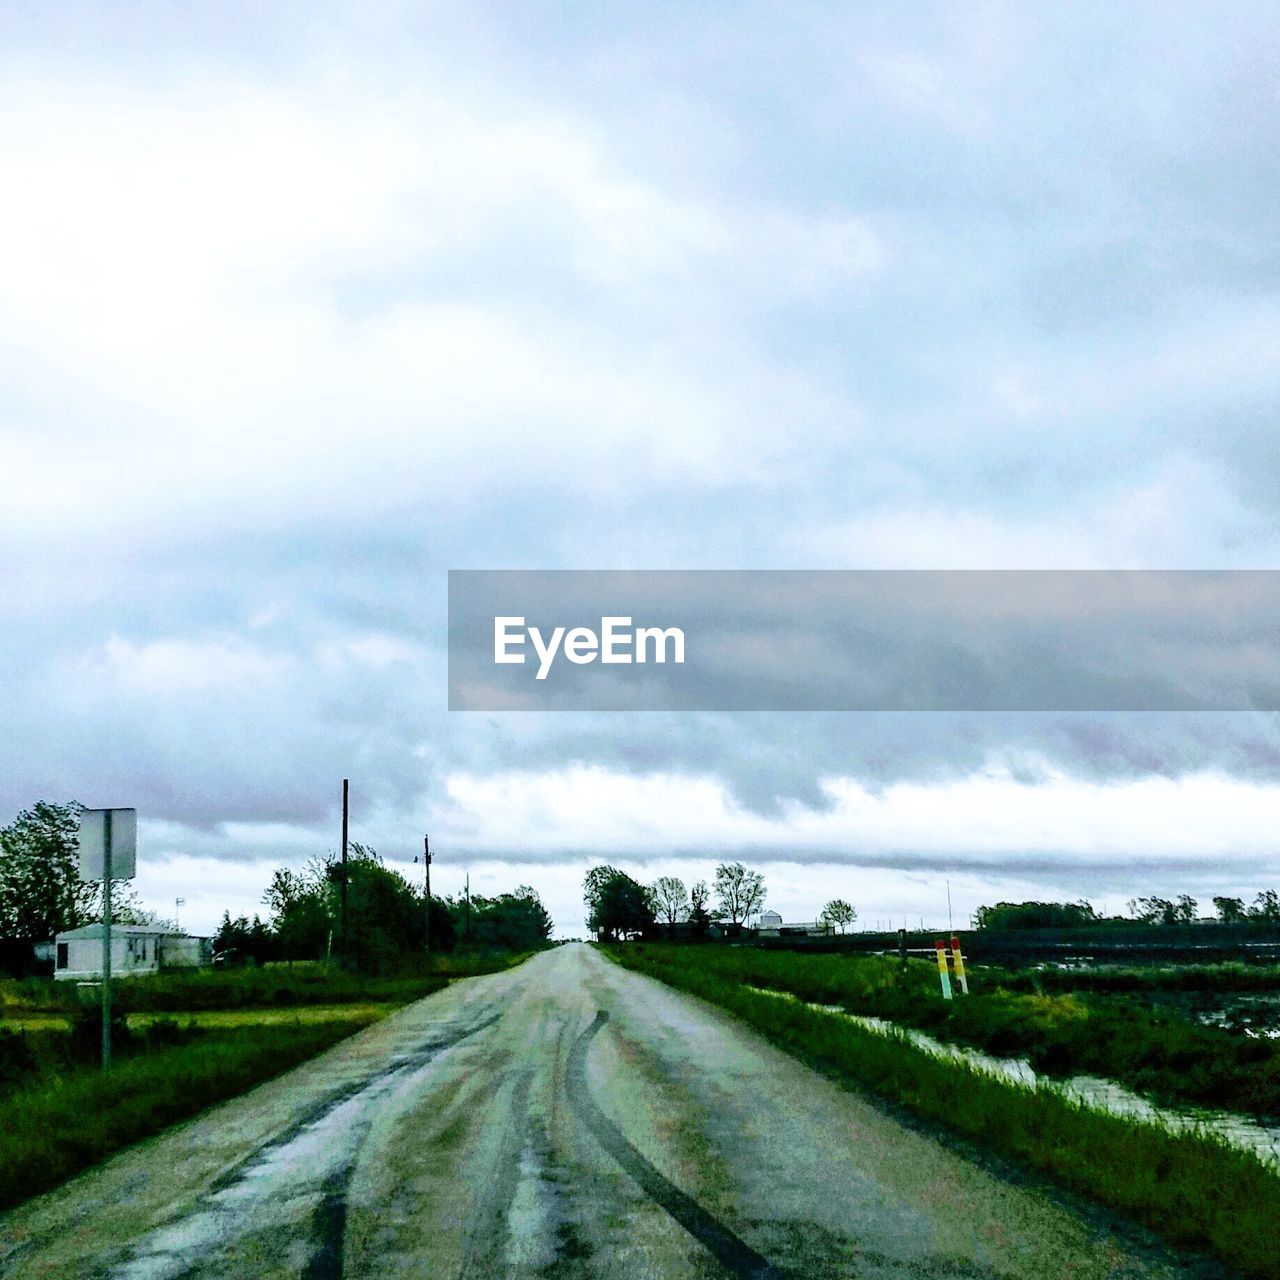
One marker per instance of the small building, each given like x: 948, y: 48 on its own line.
x: 135, y: 948
x: 771, y: 925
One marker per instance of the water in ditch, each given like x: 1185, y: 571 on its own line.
x: 1102, y: 1095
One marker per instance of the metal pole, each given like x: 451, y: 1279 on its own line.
x: 342, y: 928
x: 106, y: 941
x: 950, y: 926
x: 426, y: 876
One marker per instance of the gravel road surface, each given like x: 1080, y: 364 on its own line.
x: 564, y: 1119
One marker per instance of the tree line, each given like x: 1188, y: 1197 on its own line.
x: 620, y: 907
x: 1182, y: 910
x: 386, y: 917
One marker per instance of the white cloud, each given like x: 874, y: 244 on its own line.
x: 988, y: 813
x: 1181, y: 515
x: 162, y: 668
x: 239, y: 297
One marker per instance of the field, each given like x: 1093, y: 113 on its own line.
x: 284, y: 985
x: 183, y: 1041
x: 1191, y: 1188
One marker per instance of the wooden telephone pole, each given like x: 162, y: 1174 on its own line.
x: 343, y: 915
x: 426, y: 881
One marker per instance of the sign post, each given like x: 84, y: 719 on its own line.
x: 106, y: 940
x: 108, y: 851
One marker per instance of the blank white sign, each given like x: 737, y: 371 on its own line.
x: 124, y: 843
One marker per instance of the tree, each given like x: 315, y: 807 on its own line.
x: 617, y: 905
x: 517, y: 920
x: 1230, y: 910
x: 671, y: 901
x: 41, y: 892
x: 839, y: 913
x: 1035, y: 915
x: 594, y: 884
x: 740, y: 892
x: 699, y: 916
x: 385, y: 917
x: 255, y: 941
x: 303, y: 911
x: 1185, y: 909
x: 1266, y: 907
x: 1153, y: 910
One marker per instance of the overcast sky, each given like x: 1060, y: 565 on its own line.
x: 303, y: 305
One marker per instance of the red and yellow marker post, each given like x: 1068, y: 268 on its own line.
x: 958, y: 959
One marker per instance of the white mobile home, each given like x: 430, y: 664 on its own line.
x: 135, y: 948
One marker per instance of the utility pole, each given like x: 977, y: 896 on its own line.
x: 467, y: 929
x: 178, y: 904
x: 426, y: 888
x: 343, y: 915
x: 950, y: 927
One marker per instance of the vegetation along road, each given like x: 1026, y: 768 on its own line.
x: 569, y: 1118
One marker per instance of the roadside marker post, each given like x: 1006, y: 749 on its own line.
x: 943, y: 971
x: 959, y: 962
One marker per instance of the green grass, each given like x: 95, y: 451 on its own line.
x: 1194, y: 1190
x: 1228, y: 978
x: 280, y: 985
x: 223, y: 1019
x: 66, y: 1122
x: 185, y: 1041
x: 1154, y: 1049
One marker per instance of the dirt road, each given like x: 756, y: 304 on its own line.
x: 568, y: 1119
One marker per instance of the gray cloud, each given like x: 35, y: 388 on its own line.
x: 301, y: 311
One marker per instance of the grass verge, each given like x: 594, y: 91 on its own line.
x: 1156, y: 1050
x: 64, y: 1124
x: 1193, y: 1190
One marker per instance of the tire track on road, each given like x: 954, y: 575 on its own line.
x: 227, y: 1210
x: 733, y: 1253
